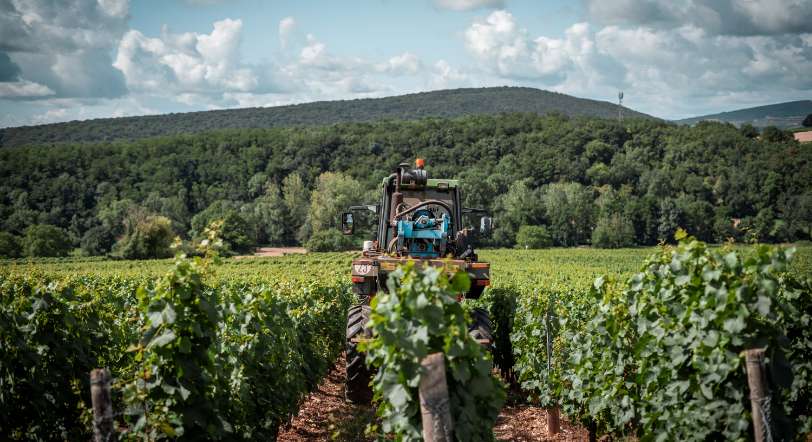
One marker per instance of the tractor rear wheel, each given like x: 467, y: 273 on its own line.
x: 357, y: 388
x: 480, y: 328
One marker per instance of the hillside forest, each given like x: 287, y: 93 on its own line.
x: 449, y: 103
x: 548, y: 180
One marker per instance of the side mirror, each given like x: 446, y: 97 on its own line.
x: 346, y: 223
x: 485, y: 225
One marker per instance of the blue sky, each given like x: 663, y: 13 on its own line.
x: 62, y: 61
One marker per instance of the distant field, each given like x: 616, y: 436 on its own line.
x: 315, y: 266
x: 575, y: 268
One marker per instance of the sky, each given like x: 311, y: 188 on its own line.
x: 82, y: 59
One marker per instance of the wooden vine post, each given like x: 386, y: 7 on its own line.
x: 553, y: 419
x: 435, y: 408
x: 103, y: 429
x: 757, y: 381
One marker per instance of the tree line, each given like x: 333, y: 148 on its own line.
x: 547, y: 180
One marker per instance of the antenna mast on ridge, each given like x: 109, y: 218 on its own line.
x: 620, y: 106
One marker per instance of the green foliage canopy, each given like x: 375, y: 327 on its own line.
x: 533, y: 237
x: 661, y: 353
x: 711, y: 179
x: 419, y: 316
x: 45, y: 240
x: 147, y: 236
x: 9, y: 245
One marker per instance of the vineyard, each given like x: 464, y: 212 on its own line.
x: 644, y: 342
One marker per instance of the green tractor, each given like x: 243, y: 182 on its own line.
x: 420, y: 219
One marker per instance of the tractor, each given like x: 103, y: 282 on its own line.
x: 419, y: 219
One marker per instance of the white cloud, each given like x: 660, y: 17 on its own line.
x: 43, y: 38
x: 724, y: 17
x: 467, y: 5
x: 507, y: 50
x: 188, y: 62
x: 446, y: 76
x: 115, y: 8
x: 403, y: 64
x: 317, y: 71
x: 670, y: 71
x: 222, y: 43
x: 24, y: 89
x: 286, y: 27
x: 315, y: 54
x: 500, y: 42
x: 206, y: 70
x: 677, y: 62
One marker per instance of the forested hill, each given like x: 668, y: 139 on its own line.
x: 576, y: 180
x: 781, y: 115
x: 444, y: 103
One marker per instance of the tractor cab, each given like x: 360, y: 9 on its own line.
x: 419, y: 217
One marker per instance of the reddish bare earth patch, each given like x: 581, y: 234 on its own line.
x: 804, y: 137
x: 325, y: 415
x: 275, y: 251
x: 526, y: 423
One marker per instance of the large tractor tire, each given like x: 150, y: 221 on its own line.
x: 480, y: 328
x: 357, y: 388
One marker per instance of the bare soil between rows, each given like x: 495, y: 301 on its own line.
x: 265, y: 252
x: 325, y: 415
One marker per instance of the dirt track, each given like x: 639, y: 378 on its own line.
x: 325, y: 415
x: 275, y: 251
x: 804, y: 137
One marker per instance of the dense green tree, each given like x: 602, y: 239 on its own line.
x: 45, y: 240
x: 599, y: 173
x: 748, y: 130
x: 669, y: 221
x: 9, y: 246
x: 533, y: 237
x: 700, y: 178
x: 599, y: 151
x: 257, y: 184
x: 268, y: 216
x: 97, y: 240
x: 761, y: 227
x: 145, y: 237
x: 724, y: 225
x: 297, y: 204
x: 697, y: 215
x: 643, y: 213
x: 776, y: 135
x: 172, y: 207
x: 113, y: 214
x: 570, y: 211
x: 613, y: 231
x: 330, y: 240
x: 334, y: 192
x: 807, y: 121
x: 237, y: 233
x: 520, y: 205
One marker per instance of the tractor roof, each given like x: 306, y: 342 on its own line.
x: 440, y: 183
x: 436, y: 183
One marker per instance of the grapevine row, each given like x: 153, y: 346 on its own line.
x: 195, y: 353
